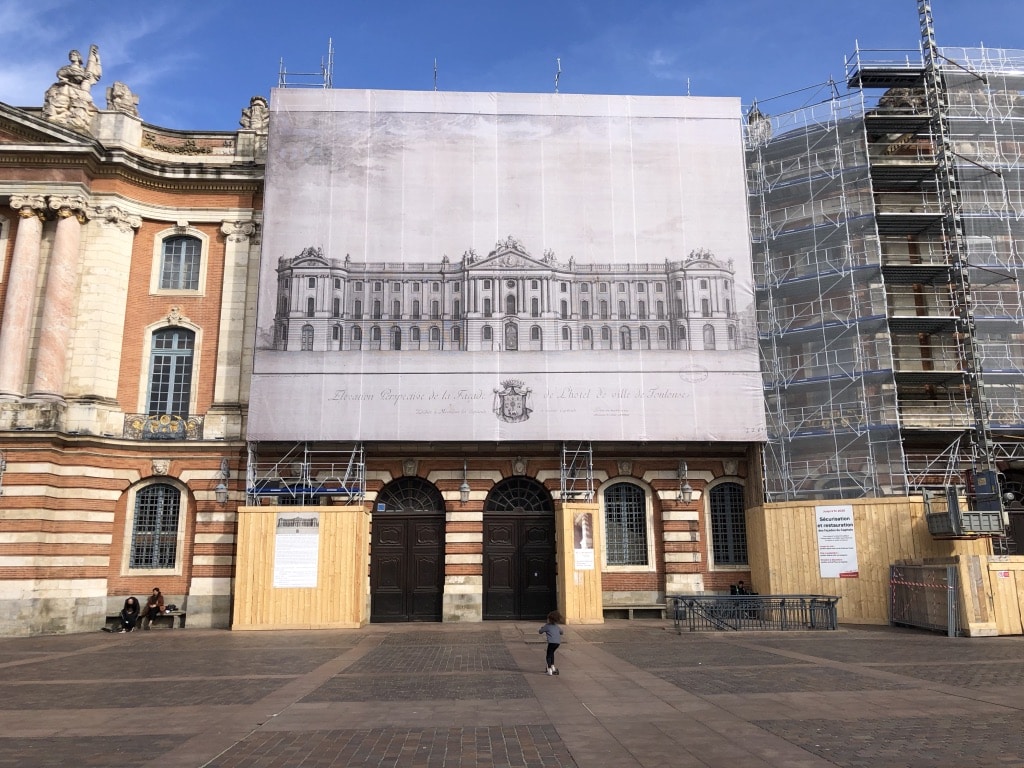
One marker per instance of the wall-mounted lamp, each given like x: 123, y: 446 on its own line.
x: 221, y: 489
x: 685, y: 493
x: 464, y: 488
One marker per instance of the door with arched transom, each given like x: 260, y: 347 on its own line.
x: 407, y: 552
x: 519, y: 551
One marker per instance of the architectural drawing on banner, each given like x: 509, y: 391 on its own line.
x: 505, y: 301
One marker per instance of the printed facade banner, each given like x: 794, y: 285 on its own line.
x: 837, y: 542
x: 505, y: 267
x: 296, y: 549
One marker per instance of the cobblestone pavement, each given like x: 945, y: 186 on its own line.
x: 629, y: 694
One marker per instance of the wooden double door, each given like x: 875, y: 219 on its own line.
x: 519, y: 565
x: 407, y: 567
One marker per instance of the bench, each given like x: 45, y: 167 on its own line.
x: 650, y: 611
x: 168, y: 618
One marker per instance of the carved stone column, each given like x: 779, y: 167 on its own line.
x: 234, y: 366
x: 59, y: 301
x: 16, y: 329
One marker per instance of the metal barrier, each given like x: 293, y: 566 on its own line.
x: 733, y: 613
x: 924, y: 596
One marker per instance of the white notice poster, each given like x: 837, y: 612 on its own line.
x: 583, y: 541
x: 837, y: 542
x: 296, y: 549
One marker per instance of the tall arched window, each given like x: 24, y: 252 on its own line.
x: 625, y: 524
x: 435, y: 334
x: 604, y: 309
x: 396, y: 338
x: 456, y: 336
x: 170, y: 372
x: 510, y: 305
x: 336, y: 307
x: 622, y: 311
x: 659, y: 309
x: 357, y: 334
x: 457, y: 310
x: 375, y: 334
x: 396, y: 309
x: 565, y: 310
x: 357, y: 310
x: 376, y: 309
x: 416, y: 309
x: 641, y: 309
x: 307, y: 338
x: 728, y: 524
x: 625, y: 338
x: 435, y: 310
x: 585, y: 310
x: 179, y: 263
x: 155, y: 527
x: 487, y: 308
x: 310, y: 307
x: 535, y: 307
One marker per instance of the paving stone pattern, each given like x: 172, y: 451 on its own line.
x: 631, y: 693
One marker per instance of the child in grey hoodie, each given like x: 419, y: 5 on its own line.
x: 554, y: 636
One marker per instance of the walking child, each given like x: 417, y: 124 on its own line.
x: 554, y: 636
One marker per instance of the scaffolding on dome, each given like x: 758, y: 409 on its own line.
x: 888, y: 246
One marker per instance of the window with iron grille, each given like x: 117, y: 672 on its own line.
x: 170, y: 372
x: 155, y: 528
x: 625, y: 524
x: 728, y: 524
x: 179, y: 265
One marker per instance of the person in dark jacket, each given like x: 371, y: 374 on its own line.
x: 554, y: 637
x: 129, y: 615
x: 154, y: 608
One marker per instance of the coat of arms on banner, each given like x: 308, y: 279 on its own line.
x: 510, y: 402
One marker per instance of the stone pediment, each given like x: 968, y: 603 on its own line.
x: 22, y: 126
x: 508, y: 254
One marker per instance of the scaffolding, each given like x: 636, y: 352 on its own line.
x: 888, y: 244
x: 323, y: 78
x: 577, y: 472
x: 299, y: 474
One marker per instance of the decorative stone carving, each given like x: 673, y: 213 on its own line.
x: 625, y: 467
x: 256, y: 117
x: 29, y: 205
x: 179, y: 147
x: 161, y: 466
x: 69, y: 102
x: 174, y: 316
x: 409, y: 467
x: 519, y: 466
x: 121, y: 99
x: 116, y: 217
x: 238, y: 231
x: 67, y: 206
x: 731, y: 467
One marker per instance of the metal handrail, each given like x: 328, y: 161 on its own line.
x: 732, y: 613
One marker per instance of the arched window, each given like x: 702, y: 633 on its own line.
x: 705, y: 308
x: 662, y: 333
x: 170, y: 372
x: 375, y: 333
x: 565, y: 310
x: 625, y: 524
x: 585, y: 310
x: 510, y: 305
x: 335, y: 332
x: 709, y: 336
x: 586, y: 333
x: 414, y: 334
x: 641, y: 309
x: 487, y: 333
x: 310, y: 307
x: 357, y: 310
x: 457, y: 310
x: 396, y: 309
x: 535, y: 333
x: 732, y: 333
x: 584, y: 287
x: 606, y: 333
x: 307, y: 338
x: 565, y: 333
x: 682, y: 332
x: 357, y: 334
x: 435, y: 310
x: 179, y: 263
x: 155, y: 527
x: 534, y: 307
x: 728, y: 524
x: 336, y: 307
x: 604, y: 309
x: 659, y: 309
x: 456, y: 335
x: 487, y: 307
x: 396, y: 338
x: 416, y: 309
x: 643, y: 334
x: 435, y: 334
x: 626, y: 338
x: 622, y: 311
x: 376, y: 309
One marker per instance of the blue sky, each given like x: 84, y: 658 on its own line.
x: 195, y: 65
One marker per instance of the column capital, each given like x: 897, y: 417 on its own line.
x: 67, y: 206
x: 116, y: 217
x: 239, y: 231
x: 28, y: 206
